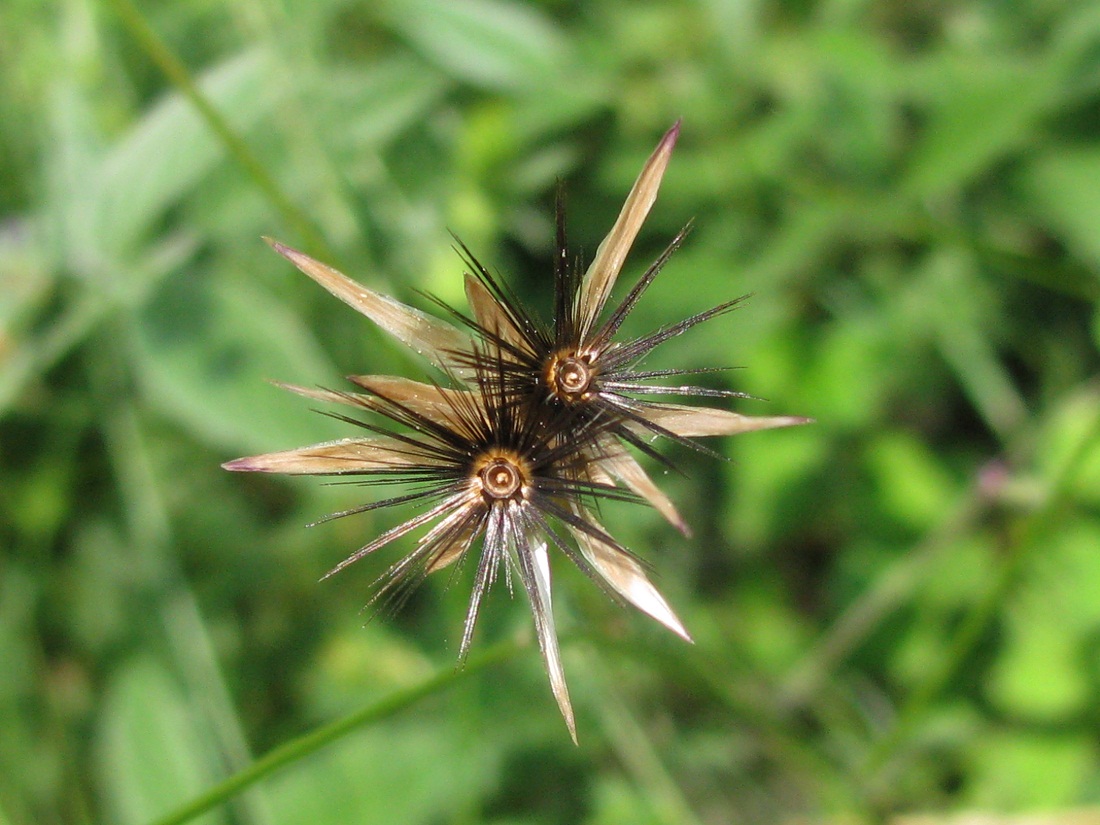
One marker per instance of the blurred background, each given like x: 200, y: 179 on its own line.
x: 896, y: 610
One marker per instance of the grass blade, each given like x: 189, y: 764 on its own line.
x: 311, y: 742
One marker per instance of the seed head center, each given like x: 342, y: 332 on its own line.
x: 501, y: 477
x: 570, y: 375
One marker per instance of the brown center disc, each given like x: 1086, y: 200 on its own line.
x: 501, y: 478
x: 570, y: 375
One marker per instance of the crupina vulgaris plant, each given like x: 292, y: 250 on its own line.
x: 531, y: 431
x: 486, y: 468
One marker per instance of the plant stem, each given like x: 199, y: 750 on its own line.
x: 175, y: 70
x: 315, y: 740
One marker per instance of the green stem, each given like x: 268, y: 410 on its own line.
x: 157, y: 51
x: 315, y: 740
x: 637, y: 751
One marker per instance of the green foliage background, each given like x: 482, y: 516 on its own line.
x: 896, y: 609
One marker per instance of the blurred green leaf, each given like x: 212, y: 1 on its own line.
x: 438, y: 769
x: 24, y: 280
x: 206, y: 352
x: 1055, y: 766
x: 847, y: 383
x: 914, y: 486
x: 169, y: 150
x: 148, y: 753
x: 955, y: 579
x: 491, y: 43
x: 366, y: 107
x: 617, y: 803
x: 760, y: 508
x: 1062, y: 185
x: 980, y: 110
x: 1052, y: 628
x: 1064, y: 428
x: 24, y: 761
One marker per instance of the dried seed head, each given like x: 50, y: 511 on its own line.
x: 569, y: 375
x: 502, y: 475
x: 536, y: 435
x: 574, y: 361
x: 505, y: 480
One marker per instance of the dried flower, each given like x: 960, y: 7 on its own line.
x: 531, y: 434
x: 487, y: 469
x: 573, y: 360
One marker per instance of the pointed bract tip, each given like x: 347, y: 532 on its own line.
x: 657, y: 609
x: 561, y: 696
x: 680, y: 631
x: 669, y: 140
x: 240, y: 465
x: 566, y: 709
x: 666, y: 509
x: 774, y: 422
x: 287, y: 252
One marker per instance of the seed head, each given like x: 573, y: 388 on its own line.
x: 510, y: 460
x: 492, y: 474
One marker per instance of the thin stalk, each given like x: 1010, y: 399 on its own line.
x: 175, y: 70
x: 314, y: 741
x: 639, y: 754
x: 272, y: 23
